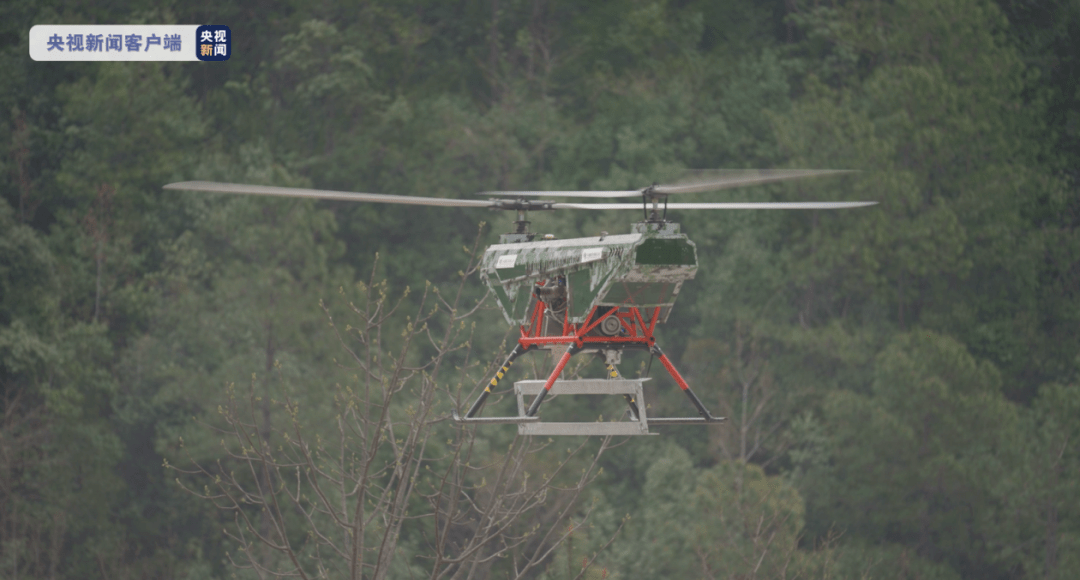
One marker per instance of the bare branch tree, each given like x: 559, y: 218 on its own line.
x: 751, y: 528
x: 388, y: 474
x: 748, y: 396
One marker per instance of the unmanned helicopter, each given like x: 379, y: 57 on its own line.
x: 601, y: 295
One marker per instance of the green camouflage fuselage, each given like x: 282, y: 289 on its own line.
x: 645, y: 268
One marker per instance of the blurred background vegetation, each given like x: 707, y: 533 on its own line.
x: 902, y: 382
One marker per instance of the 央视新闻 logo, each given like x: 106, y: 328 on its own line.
x: 213, y: 42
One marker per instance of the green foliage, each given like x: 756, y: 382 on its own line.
x: 902, y: 459
x: 962, y: 242
x: 56, y: 473
x: 28, y: 282
x: 731, y: 520
x: 1035, y: 483
x: 906, y: 372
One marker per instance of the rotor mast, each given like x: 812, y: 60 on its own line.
x: 653, y: 215
x: 649, y: 196
x: 521, y: 206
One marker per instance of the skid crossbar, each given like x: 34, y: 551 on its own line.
x: 632, y: 388
x: 583, y: 387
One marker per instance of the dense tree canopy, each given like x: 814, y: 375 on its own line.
x: 902, y: 382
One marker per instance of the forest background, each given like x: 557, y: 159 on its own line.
x: 902, y: 382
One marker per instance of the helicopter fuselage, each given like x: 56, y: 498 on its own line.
x: 575, y: 281
x: 602, y: 295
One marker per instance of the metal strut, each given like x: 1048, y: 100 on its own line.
x: 574, y: 349
x: 706, y: 416
x: 613, y: 374
x: 471, y: 414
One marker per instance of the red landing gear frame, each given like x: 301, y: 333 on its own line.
x: 636, y: 334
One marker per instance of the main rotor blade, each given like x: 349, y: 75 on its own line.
x: 606, y: 194
x: 219, y: 187
x: 751, y: 205
x: 324, y: 194
x: 725, y: 180
x: 738, y: 178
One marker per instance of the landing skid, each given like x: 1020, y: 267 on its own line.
x: 636, y: 333
x: 631, y: 388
